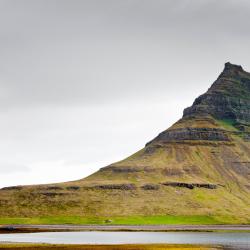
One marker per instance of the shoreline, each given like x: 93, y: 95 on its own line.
x: 26, y: 228
x: 31, y: 246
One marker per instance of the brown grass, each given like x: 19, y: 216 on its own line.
x: 103, y: 247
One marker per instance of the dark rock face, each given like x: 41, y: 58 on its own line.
x: 73, y: 188
x: 54, y: 188
x: 221, y: 107
x: 53, y: 194
x: 210, y: 134
x: 150, y: 187
x: 190, y: 185
x: 247, y: 137
x: 121, y: 169
x: 117, y: 186
x: 12, y: 188
x: 227, y: 99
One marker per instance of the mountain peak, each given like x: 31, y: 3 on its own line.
x: 228, y: 97
x: 231, y: 70
x: 232, y: 67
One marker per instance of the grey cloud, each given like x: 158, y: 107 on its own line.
x: 97, y: 51
x: 91, y: 81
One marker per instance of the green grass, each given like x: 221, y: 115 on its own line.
x: 227, y: 124
x: 167, y: 220
x: 132, y: 220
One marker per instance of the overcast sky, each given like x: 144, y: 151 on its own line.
x: 86, y: 83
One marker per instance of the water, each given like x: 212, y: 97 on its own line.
x: 230, y: 239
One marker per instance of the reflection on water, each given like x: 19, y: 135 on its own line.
x: 231, y: 239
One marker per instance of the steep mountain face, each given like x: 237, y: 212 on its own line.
x: 228, y: 98
x: 199, y: 166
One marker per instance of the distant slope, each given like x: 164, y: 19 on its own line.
x: 199, y: 168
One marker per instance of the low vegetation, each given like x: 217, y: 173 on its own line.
x: 104, y: 247
x: 132, y: 220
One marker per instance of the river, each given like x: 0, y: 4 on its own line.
x: 228, y: 239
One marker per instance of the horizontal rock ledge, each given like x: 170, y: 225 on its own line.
x: 190, y: 185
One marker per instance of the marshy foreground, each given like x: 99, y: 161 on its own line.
x: 112, y: 247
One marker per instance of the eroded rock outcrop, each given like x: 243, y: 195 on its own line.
x: 150, y: 187
x: 227, y: 99
x: 116, y: 186
x: 191, y: 185
x: 207, y: 134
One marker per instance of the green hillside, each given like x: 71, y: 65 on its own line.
x: 195, y: 172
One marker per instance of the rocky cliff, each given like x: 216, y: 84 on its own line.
x: 227, y: 99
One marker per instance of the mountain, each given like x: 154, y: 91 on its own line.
x: 199, y: 168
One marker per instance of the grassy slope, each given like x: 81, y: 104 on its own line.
x: 192, y: 162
